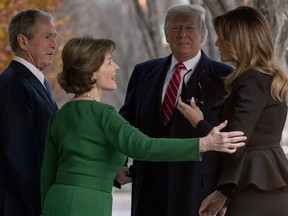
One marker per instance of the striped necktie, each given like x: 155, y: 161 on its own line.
x: 171, y: 93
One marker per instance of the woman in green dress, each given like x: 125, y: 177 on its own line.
x: 88, y: 141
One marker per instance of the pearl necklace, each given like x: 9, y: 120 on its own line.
x: 89, y: 96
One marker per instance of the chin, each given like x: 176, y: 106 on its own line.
x: 112, y: 88
x: 223, y: 59
x: 48, y: 64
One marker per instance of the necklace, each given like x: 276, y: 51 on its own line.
x: 89, y: 96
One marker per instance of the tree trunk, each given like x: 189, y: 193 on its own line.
x: 276, y: 12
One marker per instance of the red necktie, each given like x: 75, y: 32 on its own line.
x: 171, y: 93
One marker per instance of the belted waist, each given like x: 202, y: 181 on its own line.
x: 84, y: 181
x: 262, y: 147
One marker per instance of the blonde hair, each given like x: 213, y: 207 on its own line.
x: 246, y: 35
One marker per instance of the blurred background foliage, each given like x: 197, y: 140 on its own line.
x: 137, y: 28
x: 8, y: 8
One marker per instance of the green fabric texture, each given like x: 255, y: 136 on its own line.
x: 86, y: 145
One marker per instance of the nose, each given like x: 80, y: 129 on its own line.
x: 217, y: 42
x: 54, y: 43
x: 117, y: 67
x: 182, y: 32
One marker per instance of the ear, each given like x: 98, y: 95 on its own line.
x: 22, y: 41
x: 166, y: 36
x: 94, y: 77
x: 202, y: 38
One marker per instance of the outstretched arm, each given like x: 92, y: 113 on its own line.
x: 215, y: 141
x: 227, y: 142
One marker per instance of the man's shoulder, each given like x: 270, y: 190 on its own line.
x: 14, y: 69
x: 214, y: 63
x: 16, y: 75
x: 7, y: 74
x: 216, y: 67
x: 152, y: 62
x: 14, y: 72
x: 218, y: 64
x: 221, y: 68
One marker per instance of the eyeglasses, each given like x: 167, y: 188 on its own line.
x: 198, y: 95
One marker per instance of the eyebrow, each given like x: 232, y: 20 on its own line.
x: 48, y: 34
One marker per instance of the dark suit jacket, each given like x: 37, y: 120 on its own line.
x: 24, y: 113
x: 182, y: 186
x: 251, y: 109
x: 261, y: 163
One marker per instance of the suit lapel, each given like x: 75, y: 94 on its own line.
x: 200, y: 78
x: 43, y: 92
x: 154, y: 81
x: 36, y: 84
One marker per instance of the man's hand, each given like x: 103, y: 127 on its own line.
x: 122, y: 177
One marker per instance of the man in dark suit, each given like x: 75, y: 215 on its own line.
x: 178, y: 188
x: 26, y: 107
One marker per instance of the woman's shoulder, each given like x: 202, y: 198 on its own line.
x: 103, y: 106
x: 103, y: 109
x: 86, y: 105
x: 255, y: 73
x: 254, y: 76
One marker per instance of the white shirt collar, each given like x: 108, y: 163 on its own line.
x: 189, y: 64
x: 192, y: 63
x: 39, y: 75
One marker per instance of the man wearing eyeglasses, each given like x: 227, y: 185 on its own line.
x: 178, y: 188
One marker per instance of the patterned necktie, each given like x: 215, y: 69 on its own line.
x: 49, y: 91
x: 171, y: 93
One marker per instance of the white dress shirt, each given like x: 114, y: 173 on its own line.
x: 189, y: 65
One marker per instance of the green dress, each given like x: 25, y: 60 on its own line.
x: 86, y: 145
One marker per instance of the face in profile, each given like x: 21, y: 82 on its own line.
x: 225, y: 55
x: 42, y: 47
x: 106, y: 76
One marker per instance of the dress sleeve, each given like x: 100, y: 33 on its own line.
x: 250, y: 93
x: 251, y: 109
x: 131, y: 142
x: 203, y: 128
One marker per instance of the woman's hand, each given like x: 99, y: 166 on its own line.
x: 192, y: 113
x: 222, y: 141
x: 212, y: 204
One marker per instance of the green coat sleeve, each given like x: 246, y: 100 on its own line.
x: 131, y: 142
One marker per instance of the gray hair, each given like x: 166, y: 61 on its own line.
x: 187, y: 10
x: 24, y: 23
